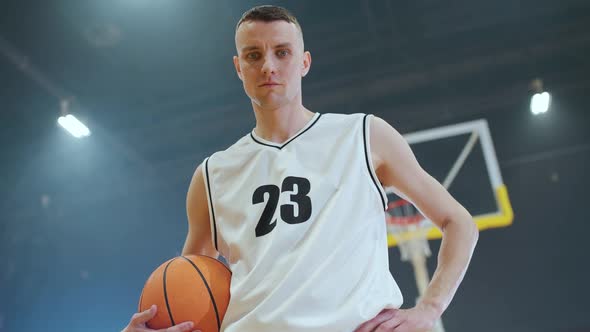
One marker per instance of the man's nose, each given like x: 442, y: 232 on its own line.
x: 269, y: 66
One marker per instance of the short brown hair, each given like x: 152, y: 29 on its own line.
x: 268, y: 13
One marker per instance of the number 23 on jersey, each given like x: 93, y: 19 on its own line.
x: 299, y: 188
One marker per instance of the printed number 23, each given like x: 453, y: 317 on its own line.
x: 266, y: 224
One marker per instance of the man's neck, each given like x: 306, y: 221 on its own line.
x: 278, y: 125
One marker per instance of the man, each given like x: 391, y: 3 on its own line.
x: 297, y: 208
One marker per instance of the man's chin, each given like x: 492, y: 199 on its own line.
x: 271, y: 102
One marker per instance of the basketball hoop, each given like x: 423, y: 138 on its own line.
x: 404, y: 224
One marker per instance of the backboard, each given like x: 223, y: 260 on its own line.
x: 463, y: 159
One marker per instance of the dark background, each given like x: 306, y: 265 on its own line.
x: 84, y: 222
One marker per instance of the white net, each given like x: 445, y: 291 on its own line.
x: 405, y: 224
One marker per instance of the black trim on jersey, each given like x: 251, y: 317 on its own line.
x: 289, y: 141
x: 208, y: 290
x: 211, y: 203
x: 367, y: 154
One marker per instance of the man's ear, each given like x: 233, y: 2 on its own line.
x: 237, y: 65
x: 306, y: 63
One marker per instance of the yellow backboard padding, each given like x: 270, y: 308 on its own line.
x: 502, y: 219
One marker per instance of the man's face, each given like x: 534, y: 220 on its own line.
x: 271, y: 62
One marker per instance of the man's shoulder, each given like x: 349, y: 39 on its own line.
x: 336, y: 121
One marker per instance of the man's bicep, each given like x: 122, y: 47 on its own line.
x: 394, y: 161
x: 397, y: 167
x: 198, y: 240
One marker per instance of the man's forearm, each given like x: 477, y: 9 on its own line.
x: 458, y: 243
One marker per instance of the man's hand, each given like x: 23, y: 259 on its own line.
x: 421, y: 318
x: 138, y: 321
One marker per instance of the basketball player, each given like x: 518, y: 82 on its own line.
x: 297, y: 206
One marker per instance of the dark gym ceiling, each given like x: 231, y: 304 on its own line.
x: 155, y: 83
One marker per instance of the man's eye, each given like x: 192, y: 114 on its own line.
x: 252, y: 56
x: 283, y: 53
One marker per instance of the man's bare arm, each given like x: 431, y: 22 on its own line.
x: 396, y: 166
x: 198, y: 240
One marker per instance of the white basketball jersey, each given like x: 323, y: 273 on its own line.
x: 302, y: 226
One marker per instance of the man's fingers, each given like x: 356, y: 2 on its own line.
x: 182, y: 327
x: 144, y: 316
x: 407, y: 326
x: 390, y: 325
x: 370, y: 325
x: 403, y: 327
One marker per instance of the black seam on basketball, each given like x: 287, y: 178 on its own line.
x: 289, y: 141
x: 216, y: 260
x: 367, y: 160
x: 208, y: 290
x: 211, y: 203
x: 166, y: 293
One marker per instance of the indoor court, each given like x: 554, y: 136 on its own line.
x: 107, y: 107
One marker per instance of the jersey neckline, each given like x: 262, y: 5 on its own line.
x: 279, y: 146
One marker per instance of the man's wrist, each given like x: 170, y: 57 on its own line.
x: 434, y: 305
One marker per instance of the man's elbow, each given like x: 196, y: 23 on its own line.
x: 464, y: 224
x: 470, y: 230
x: 474, y: 233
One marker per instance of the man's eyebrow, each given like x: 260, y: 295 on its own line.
x: 283, y: 45
x: 251, y: 48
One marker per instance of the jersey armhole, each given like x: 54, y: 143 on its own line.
x: 213, y: 224
x: 369, y: 160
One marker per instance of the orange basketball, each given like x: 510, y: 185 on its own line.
x: 188, y: 288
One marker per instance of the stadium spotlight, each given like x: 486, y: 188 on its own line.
x: 70, y: 123
x: 541, y: 100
